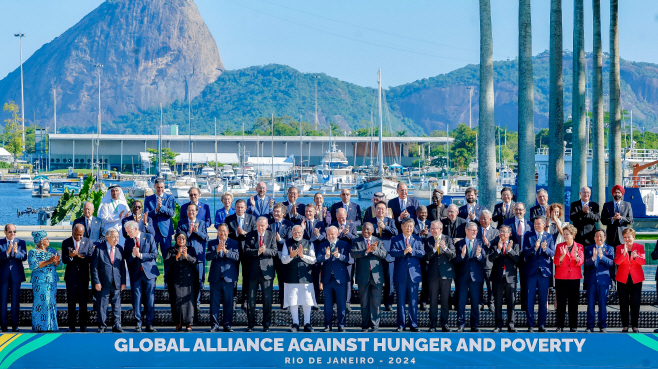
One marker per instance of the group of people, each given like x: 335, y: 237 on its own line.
x: 403, y: 246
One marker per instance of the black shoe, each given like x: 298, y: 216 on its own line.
x: 558, y: 330
x: 266, y: 329
x: 423, y: 307
x: 446, y: 329
x: 542, y: 329
x: 70, y: 330
x: 589, y: 330
x: 213, y: 330
x: 374, y: 329
x: 363, y: 330
x: 250, y: 329
x: 15, y: 329
x: 101, y: 330
x: 326, y: 329
x: 228, y: 329
x: 138, y: 330
x: 150, y: 329
x: 414, y: 329
x: 496, y: 330
x: 341, y: 329
x: 398, y: 329
x: 636, y: 330
x: 603, y: 330
x: 308, y: 327
x: 294, y: 328
x: 475, y: 329
x: 388, y: 308
x: 117, y: 330
x: 460, y: 329
x: 511, y: 329
x: 531, y: 329
x: 83, y: 329
x: 573, y: 330
x: 315, y: 308
x: 348, y: 309
x: 624, y: 330
x: 431, y: 330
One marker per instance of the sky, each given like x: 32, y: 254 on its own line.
x: 351, y: 40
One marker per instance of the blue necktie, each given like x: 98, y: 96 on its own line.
x: 616, y: 207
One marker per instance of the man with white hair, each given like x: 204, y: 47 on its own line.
x: 487, y: 233
x: 346, y: 232
x: 453, y: 225
x: 584, y: 215
x: 299, y: 258
x: 469, y: 267
x: 334, y: 255
x: 541, y: 209
x: 108, y: 275
x: 439, y: 252
x: 260, y: 250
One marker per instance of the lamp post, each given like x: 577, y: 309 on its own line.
x: 20, y: 46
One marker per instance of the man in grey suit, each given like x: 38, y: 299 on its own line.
x: 108, y: 274
x: 439, y: 252
x: 370, y: 256
x: 94, y: 226
x: 486, y: 233
x: 504, y: 254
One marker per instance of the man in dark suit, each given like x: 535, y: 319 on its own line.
x: 616, y: 215
x: 76, y: 255
x: 239, y: 225
x: 334, y: 256
x: 143, y: 221
x: 315, y: 233
x: 454, y: 226
x: 439, y: 252
x: 504, y: 253
x: 260, y: 250
x: 504, y: 210
x: 584, y: 215
x: 223, y: 255
x: 347, y: 233
x: 469, y: 270
x: 437, y: 210
x: 385, y: 230
x: 487, y: 233
x: 471, y: 210
x: 403, y: 206
x: 520, y: 227
x: 141, y: 253
x: 260, y: 204
x: 13, y: 252
x: 370, y: 212
x: 408, y: 251
x: 94, y: 226
x: 160, y: 208
x: 204, y: 214
x: 197, y: 238
x: 370, y: 256
x: 108, y: 274
x: 294, y: 210
x: 282, y: 228
x: 599, y: 257
x: 422, y: 230
x: 353, y: 209
x: 538, y: 249
x: 541, y: 209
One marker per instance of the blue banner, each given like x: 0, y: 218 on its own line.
x: 290, y: 350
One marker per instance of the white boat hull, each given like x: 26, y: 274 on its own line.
x: 26, y: 185
x: 367, y: 189
x: 179, y: 192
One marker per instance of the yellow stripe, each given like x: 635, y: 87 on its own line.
x: 6, y: 339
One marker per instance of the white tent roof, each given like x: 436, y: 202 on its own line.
x: 197, y: 158
x: 4, y: 152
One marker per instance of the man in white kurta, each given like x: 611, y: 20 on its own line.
x: 298, y: 257
x: 113, y: 208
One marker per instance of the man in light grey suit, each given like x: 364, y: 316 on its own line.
x: 370, y: 256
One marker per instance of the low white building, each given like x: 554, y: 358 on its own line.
x: 265, y: 165
x: 6, y: 156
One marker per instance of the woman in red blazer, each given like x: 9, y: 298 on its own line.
x: 629, y: 258
x: 568, y: 260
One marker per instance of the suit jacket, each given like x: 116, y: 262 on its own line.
x: 570, y: 267
x: 301, y: 208
x: 197, y: 240
x: 439, y: 264
x: 146, y: 266
x: 353, y: 212
x: 463, y: 212
x: 390, y: 230
x: 407, y: 264
x: 142, y: 228
x: 499, y: 217
x: 161, y: 218
x: 259, y: 210
x: 285, y: 232
x: 456, y: 229
x: 626, y: 264
x: 537, y: 211
x: 511, y: 222
x: 470, y: 267
x: 310, y: 235
x: 12, y: 264
x: 203, y: 213
x: 371, y: 213
x: 97, y: 231
x: 394, y: 205
x: 223, y: 264
x: 599, y: 271
x: 248, y: 226
x: 538, y: 261
x: 77, y: 268
x: 336, y: 266
x: 351, y: 234
x: 437, y: 212
x: 492, y: 234
x: 418, y: 228
x: 615, y: 228
x: 263, y: 263
x: 503, y: 263
x: 584, y: 223
x: 109, y: 276
x: 370, y: 264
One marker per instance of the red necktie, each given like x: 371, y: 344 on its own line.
x: 137, y: 242
x: 112, y: 254
x: 260, y: 242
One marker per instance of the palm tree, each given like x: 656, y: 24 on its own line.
x: 598, y: 159
x: 487, y: 137
x: 525, y: 188
x: 579, y: 158
x: 555, y: 108
x: 614, y: 136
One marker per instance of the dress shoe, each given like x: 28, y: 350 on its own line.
x: 398, y: 329
x: 588, y: 330
x: 150, y: 329
x: 101, y: 330
x: 266, y: 329
x: 70, y: 330
x: 388, y: 308
x: 138, y: 330
x: 423, y: 307
x: 315, y: 308
x: 348, y: 308
x: 460, y: 329
x: 604, y: 330
x: 559, y: 330
x: 432, y: 330
x: 511, y: 329
x: 542, y: 329
x: 188, y: 328
x: 326, y: 329
x: 624, y: 330
x: 475, y: 329
x: 446, y: 329
x: 15, y: 329
x: 496, y: 330
x: 308, y: 327
x: 341, y: 329
x: 531, y: 329
x: 83, y: 329
x: 364, y: 330
x: 250, y: 329
x: 179, y: 328
x: 213, y: 330
x: 636, y: 330
x: 294, y: 328
x: 117, y: 330
x: 414, y: 329
x: 573, y: 330
x: 228, y: 329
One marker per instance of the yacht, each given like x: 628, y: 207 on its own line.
x: 182, y: 185
x: 25, y: 182
x: 207, y: 172
x: 227, y: 172
x: 140, y: 188
x: 334, y: 170
x: 165, y: 172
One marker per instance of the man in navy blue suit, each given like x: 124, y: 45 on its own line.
x: 160, y: 207
x: 334, y: 256
x: 598, y: 260
x: 204, y: 210
x: 353, y: 209
x: 469, y: 275
x: 76, y: 255
x: 471, y: 210
x: 108, y: 274
x: 239, y: 225
x: 223, y: 255
x: 385, y: 230
x: 141, y: 253
x: 197, y: 237
x: 13, y: 252
x: 520, y: 227
x: 282, y: 228
x: 295, y: 210
x: 403, y: 206
x: 408, y: 251
x: 143, y: 221
x: 94, y: 226
x: 541, y: 209
x: 538, y: 249
x: 346, y: 232
x: 260, y: 205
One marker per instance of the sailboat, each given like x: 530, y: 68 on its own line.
x: 378, y: 183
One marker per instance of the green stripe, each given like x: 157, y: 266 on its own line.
x: 15, y: 343
x: 31, y: 346
x: 646, y: 341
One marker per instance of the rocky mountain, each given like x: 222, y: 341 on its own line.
x: 152, y: 52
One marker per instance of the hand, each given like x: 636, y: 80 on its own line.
x: 303, y: 224
x: 261, y: 249
x: 278, y: 238
x: 145, y: 217
x: 485, y: 241
x: 336, y: 253
x: 317, y: 232
x: 424, y: 232
x: 159, y: 205
x: 195, y: 228
x: 252, y: 201
x: 346, y: 230
x: 321, y: 286
x: 594, y: 255
x: 122, y: 214
x: 241, y: 231
x: 442, y: 245
x: 478, y: 252
x: 624, y: 250
x: 471, y: 215
x: 97, y: 287
x: 407, y: 250
x: 15, y: 247
x: 634, y: 254
x: 72, y: 252
x: 500, y: 245
x: 617, y: 216
x: 135, y: 251
x: 123, y: 287
x: 464, y: 250
x: 293, y: 210
x: 381, y: 225
x: 600, y: 253
x: 293, y: 253
x: 328, y: 252
x: 586, y: 209
x: 537, y: 244
x: 180, y: 252
x: 184, y: 251
x: 300, y: 251
x: 544, y: 245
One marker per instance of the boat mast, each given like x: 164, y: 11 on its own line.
x: 372, y: 128
x: 189, y: 123
x: 159, y: 168
x: 380, y: 153
x: 216, y: 165
x: 273, y: 178
x: 301, y: 152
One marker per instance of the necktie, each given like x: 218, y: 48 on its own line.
x: 616, y: 207
x: 333, y: 247
x: 504, y: 208
x: 470, y: 246
x: 519, y: 228
x: 240, y: 221
x: 407, y: 241
x: 260, y: 242
x: 277, y: 227
x: 309, y: 227
x: 484, y: 233
x: 112, y: 254
x: 404, y: 204
x: 77, y: 246
x: 88, y: 224
x: 368, y: 243
x: 262, y: 204
x: 137, y: 243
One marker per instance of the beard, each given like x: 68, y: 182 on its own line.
x: 297, y: 239
x: 617, y: 198
x: 470, y: 201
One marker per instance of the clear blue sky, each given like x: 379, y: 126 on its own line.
x: 350, y: 39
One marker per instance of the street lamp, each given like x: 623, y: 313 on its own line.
x: 98, y: 141
x: 20, y: 45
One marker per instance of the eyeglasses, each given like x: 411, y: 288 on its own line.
x: 13, y: 232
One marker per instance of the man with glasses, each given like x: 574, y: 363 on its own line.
x: 204, y: 210
x: 353, y: 209
x: 403, y: 206
x: 13, y: 252
x: 260, y: 204
x: 469, y: 266
x: 439, y: 253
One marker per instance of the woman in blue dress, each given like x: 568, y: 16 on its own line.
x: 43, y: 261
x: 221, y: 214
